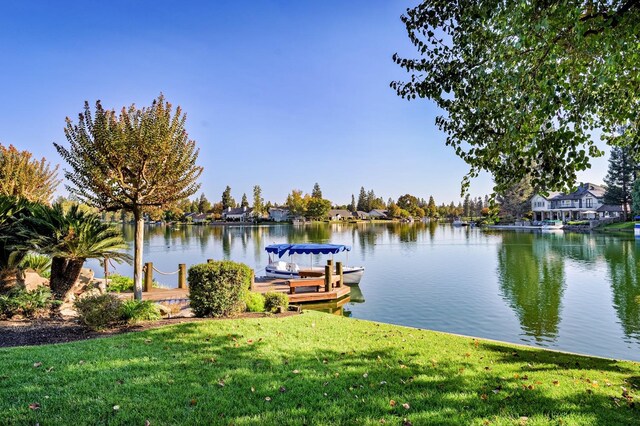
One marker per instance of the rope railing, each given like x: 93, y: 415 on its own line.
x: 165, y: 273
x: 148, y: 275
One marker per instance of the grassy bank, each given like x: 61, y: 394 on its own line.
x: 309, y: 369
x: 617, y: 227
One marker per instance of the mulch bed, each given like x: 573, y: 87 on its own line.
x: 46, y: 331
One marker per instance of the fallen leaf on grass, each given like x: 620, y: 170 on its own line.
x: 221, y: 383
x: 556, y: 383
x: 116, y: 407
x: 253, y: 389
x: 406, y: 422
x: 392, y: 403
x: 34, y: 406
x: 193, y: 402
x: 37, y: 364
x: 282, y: 389
x: 484, y: 397
x: 365, y: 375
x: 267, y: 398
x: 298, y: 372
x: 405, y: 406
x: 49, y: 370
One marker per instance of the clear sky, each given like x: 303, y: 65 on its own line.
x: 277, y: 93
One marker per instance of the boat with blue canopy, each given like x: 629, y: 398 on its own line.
x: 280, y: 269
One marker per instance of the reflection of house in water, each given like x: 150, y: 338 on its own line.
x: 532, y: 281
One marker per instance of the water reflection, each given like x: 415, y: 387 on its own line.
x: 532, y: 280
x: 623, y: 264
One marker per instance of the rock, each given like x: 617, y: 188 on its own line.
x: 164, y: 309
x: 33, y: 280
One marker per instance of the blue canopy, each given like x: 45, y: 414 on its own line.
x: 282, y: 249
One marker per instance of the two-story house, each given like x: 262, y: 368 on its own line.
x: 586, y: 202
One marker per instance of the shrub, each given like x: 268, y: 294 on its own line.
x: 218, y: 288
x: 273, y: 299
x: 99, y: 311
x: 39, y: 263
x: 254, y: 302
x: 27, y: 303
x: 119, y: 283
x: 139, y: 310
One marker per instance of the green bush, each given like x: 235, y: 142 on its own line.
x: 30, y: 304
x: 254, y: 302
x: 119, y: 283
x: 39, y: 263
x: 218, y: 289
x: 273, y: 299
x: 134, y: 311
x: 100, y: 311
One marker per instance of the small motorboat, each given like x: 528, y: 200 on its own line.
x: 551, y: 225
x: 281, y: 269
x: 459, y: 222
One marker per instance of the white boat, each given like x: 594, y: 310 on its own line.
x: 281, y: 269
x: 551, y: 225
x: 459, y: 222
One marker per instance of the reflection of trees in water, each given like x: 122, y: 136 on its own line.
x: 623, y: 259
x: 580, y: 247
x: 433, y: 225
x: 312, y: 233
x: 532, y: 280
x: 407, y: 232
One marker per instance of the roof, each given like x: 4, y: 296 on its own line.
x: 583, y: 189
x: 361, y: 213
x: 379, y: 211
x: 341, y: 212
x: 610, y: 208
x: 238, y: 211
x: 310, y: 248
x: 199, y: 216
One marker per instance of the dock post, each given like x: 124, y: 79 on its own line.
x: 330, y: 265
x: 148, y: 276
x: 340, y: 273
x: 182, y: 275
x: 327, y: 278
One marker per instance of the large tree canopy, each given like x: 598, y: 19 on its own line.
x: 138, y: 161
x: 526, y: 84
x: 25, y: 177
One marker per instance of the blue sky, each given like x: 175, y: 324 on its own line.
x: 277, y: 93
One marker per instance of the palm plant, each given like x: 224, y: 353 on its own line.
x: 38, y: 262
x: 12, y: 212
x: 70, y: 238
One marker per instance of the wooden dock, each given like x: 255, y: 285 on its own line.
x: 301, y: 293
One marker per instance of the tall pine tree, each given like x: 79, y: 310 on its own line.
x: 317, y: 192
x: 620, y: 178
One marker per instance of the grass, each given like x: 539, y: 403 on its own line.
x: 314, y: 369
x: 617, y: 226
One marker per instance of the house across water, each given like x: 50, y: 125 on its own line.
x: 587, y: 202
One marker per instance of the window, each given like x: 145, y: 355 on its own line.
x: 589, y: 202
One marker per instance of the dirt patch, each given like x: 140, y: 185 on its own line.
x: 46, y: 331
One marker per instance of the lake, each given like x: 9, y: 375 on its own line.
x: 566, y: 291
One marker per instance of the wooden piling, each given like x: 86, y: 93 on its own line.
x: 182, y: 275
x: 340, y: 272
x: 148, y: 276
x: 327, y: 278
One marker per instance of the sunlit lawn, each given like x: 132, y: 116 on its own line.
x: 618, y: 226
x: 309, y: 369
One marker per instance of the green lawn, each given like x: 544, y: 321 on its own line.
x: 309, y: 369
x: 618, y: 226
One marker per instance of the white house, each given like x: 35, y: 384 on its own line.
x: 199, y: 218
x: 587, y: 202
x: 278, y: 214
x: 361, y: 215
x: 240, y: 214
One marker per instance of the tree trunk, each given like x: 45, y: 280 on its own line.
x: 64, y: 274
x: 137, y: 254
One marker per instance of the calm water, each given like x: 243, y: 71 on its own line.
x: 571, y: 292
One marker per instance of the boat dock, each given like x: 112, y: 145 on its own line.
x: 303, y: 290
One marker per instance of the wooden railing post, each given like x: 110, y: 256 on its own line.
x: 148, y: 276
x: 182, y: 275
x: 327, y: 278
x: 340, y: 273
